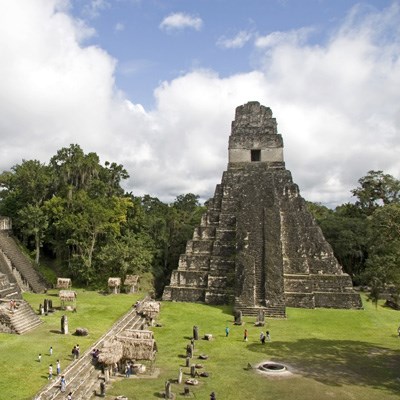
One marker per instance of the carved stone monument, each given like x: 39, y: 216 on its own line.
x: 258, y: 246
x: 64, y: 325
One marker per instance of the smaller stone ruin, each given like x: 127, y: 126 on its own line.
x: 148, y: 310
x: 68, y: 300
x: 137, y: 344
x: 5, y: 224
x: 132, y: 283
x: 17, y: 316
x: 64, y: 283
x: 130, y: 345
x: 114, y: 285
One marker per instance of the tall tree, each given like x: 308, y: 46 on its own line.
x: 33, y: 222
x: 376, y: 189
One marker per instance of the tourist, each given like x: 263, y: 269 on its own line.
x: 212, y: 396
x: 262, y: 338
x: 63, y: 384
x: 69, y: 397
x: 226, y: 331
x: 77, y: 350
x: 73, y: 352
x: 268, y: 336
x: 115, y: 369
x: 40, y: 357
x: 51, y: 350
x: 128, y: 370
x: 50, y: 372
x: 245, y: 335
x: 58, y: 367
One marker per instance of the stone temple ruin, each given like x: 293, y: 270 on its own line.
x: 258, y: 246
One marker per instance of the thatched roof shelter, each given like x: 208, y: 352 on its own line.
x: 63, y: 283
x: 111, y: 352
x: 131, y: 280
x: 149, y: 308
x: 138, y: 349
x: 67, y: 295
x: 114, y: 282
x: 137, y: 334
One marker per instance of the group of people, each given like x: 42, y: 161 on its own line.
x: 95, y: 354
x: 266, y: 337
x: 63, y: 382
x: 263, y: 337
x: 13, y: 305
x: 75, y: 352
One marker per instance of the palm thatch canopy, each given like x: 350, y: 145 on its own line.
x: 111, y: 352
x: 67, y: 295
x: 149, y: 308
x: 138, y: 349
x: 114, y: 282
x: 63, y: 283
x: 137, y: 334
x: 131, y: 280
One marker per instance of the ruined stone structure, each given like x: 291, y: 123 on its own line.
x: 15, y: 264
x: 258, y: 246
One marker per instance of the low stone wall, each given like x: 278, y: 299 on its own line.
x: 332, y: 283
x: 298, y: 284
x: 192, y: 279
x: 338, y: 300
x: 184, y: 294
x: 302, y: 300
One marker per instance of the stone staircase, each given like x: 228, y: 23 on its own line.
x: 276, y: 311
x: 82, y: 376
x: 22, y: 319
x: 21, y: 263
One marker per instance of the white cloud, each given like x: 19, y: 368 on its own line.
x: 95, y: 7
x: 238, y: 41
x: 119, y: 27
x: 337, y: 106
x: 180, y: 21
x: 277, y: 38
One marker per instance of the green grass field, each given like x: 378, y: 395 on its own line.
x: 21, y: 374
x: 333, y: 354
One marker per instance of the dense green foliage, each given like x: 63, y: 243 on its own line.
x: 75, y: 212
x: 365, y: 236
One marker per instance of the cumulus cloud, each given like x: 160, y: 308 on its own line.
x: 180, y: 21
x: 294, y: 37
x: 337, y: 105
x: 119, y: 27
x: 95, y: 7
x: 238, y: 41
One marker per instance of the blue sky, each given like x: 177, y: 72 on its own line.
x: 149, y: 52
x: 153, y: 85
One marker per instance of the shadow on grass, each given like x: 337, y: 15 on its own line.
x: 338, y: 362
x: 225, y: 309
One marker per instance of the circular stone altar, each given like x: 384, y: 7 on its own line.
x: 272, y: 368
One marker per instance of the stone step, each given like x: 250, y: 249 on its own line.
x: 81, y: 375
x: 11, y: 250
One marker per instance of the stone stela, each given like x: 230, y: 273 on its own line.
x: 258, y: 247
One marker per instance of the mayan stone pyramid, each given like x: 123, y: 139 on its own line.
x: 258, y: 246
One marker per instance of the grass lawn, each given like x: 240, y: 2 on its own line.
x: 334, y: 354
x: 22, y: 375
